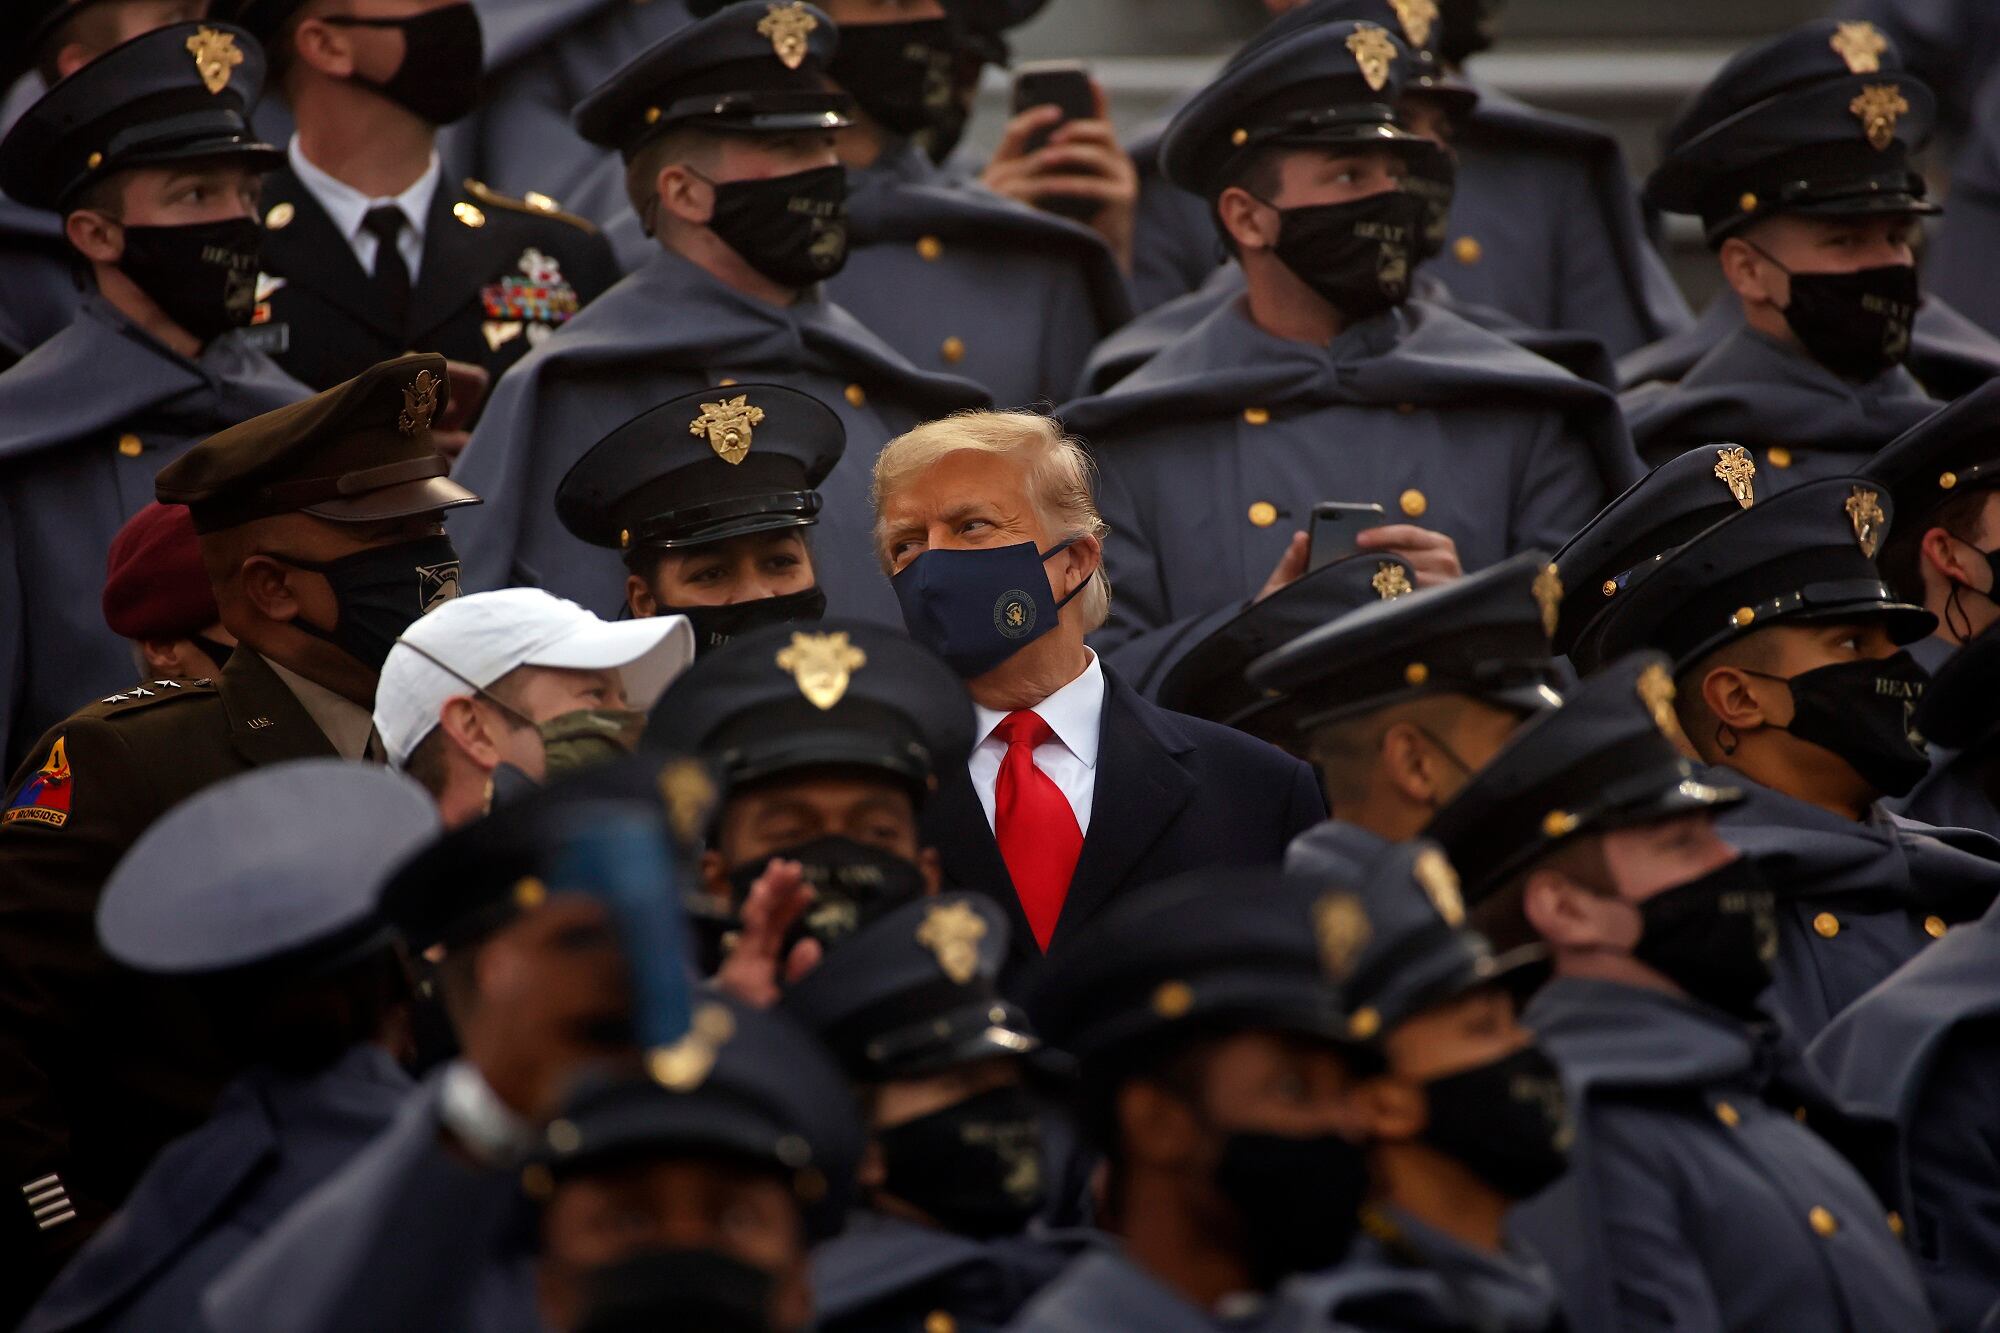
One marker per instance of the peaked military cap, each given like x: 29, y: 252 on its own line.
x: 233, y: 877
x: 1210, y: 682
x: 1416, y: 951
x: 1484, y: 635
x: 744, y: 1084
x: 1954, y: 450
x: 176, y: 94
x: 1329, y: 83
x: 750, y: 68
x: 1822, y: 119
x: 264, y: 18
x: 1224, y: 947
x: 358, y: 453
x: 916, y: 991
x: 1678, y: 500
x: 1609, y: 758
x: 1416, y: 22
x: 1805, y: 554
x: 724, y: 462
x: 841, y: 694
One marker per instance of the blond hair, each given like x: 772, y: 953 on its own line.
x: 1061, y: 480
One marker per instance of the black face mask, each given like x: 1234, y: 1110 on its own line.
x: 382, y: 592
x: 700, y: 1291
x: 1356, y: 255
x: 1865, y: 712
x: 204, y: 275
x: 1507, y: 1121
x: 716, y: 625
x: 856, y: 884
x: 792, y: 229
x: 899, y: 73
x: 1433, y: 179
x: 1857, y: 325
x: 976, y: 1167
x: 443, y: 56
x: 1715, y: 937
x: 1298, y: 1199
x: 1465, y: 28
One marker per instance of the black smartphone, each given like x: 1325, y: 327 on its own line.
x: 1065, y: 85
x: 1334, y: 525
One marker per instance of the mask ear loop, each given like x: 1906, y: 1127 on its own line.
x: 1057, y: 550
x: 1726, y: 746
x: 1954, y: 613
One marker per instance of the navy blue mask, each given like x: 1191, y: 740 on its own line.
x: 977, y: 608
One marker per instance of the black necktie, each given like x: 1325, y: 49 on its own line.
x: 392, y: 275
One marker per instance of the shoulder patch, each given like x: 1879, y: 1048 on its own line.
x: 148, y: 693
x: 44, y: 798
x: 535, y: 205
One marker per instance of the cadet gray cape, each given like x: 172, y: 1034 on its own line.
x: 405, y: 1236
x: 1959, y: 260
x: 884, y: 1275
x: 1104, y: 1292
x: 1335, y: 851
x: 1752, y: 390
x: 937, y: 267
x: 1678, y: 1214
x: 1546, y: 200
x: 36, y: 275
x: 1921, y: 1052
x: 1950, y: 356
x: 64, y: 409
x: 1405, y: 1277
x: 1880, y: 880
x: 1516, y: 452
x: 210, y: 1194
x: 1960, y: 789
x: 671, y: 329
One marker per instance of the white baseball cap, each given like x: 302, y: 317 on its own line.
x: 472, y: 641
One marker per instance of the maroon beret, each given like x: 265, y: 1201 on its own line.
x: 154, y: 583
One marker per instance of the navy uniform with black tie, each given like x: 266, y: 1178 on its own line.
x: 1690, y: 1202
x: 256, y: 924
x: 1414, y: 408
x: 1818, y: 122
x: 671, y: 329
x: 91, y: 414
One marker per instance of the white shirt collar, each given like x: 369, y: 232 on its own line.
x: 346, y: 724
x: 347, y: 206
x: 1075, y: 713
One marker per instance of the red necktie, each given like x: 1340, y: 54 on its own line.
x: 1034, y: 825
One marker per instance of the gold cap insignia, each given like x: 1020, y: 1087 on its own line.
x: 822, y: 664
x: 729, y: 426
x: 788, y: 26
x: 1878, y: 107
x: 1860, y: 45
x: 952, y: 932
x: 1435, y: 876
x: 1417, y: 18
x: 420, y: 404
x: 1735, y: 469
x: 1390, y: 580
x: 215, y: 56
x: 1864, y: 511
x: 689, y: 796
x: 1374, y: 50
x: 1548, y: 590
x: 1340, y: 924
x: 1656, y: 691
x: 685, y: 1065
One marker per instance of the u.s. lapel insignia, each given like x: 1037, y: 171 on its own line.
x: 1417, y: 18
x: 1340, y: 925
x: 788, y: 26
x: 1864, y: 511
x: 420, y: 404
x: 729, y: 425
x: 216, y: 56
x: 538, y: 296
x: 1548, y: 591
x: 1390, y: 580
x: 952, y: 932
x: 44, y: 798
x: 1435, y: 876
x: 1860, y: 45
x: 1735, y: 469
x: 685, y: 1065
x: 823, y: 665
x: 689, y: 796
x: 1374, y: 50
x: 436, y: 585
x: 1656, y: 690
x: 1878, y: 107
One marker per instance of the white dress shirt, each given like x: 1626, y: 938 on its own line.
x: 1075, y: 713
x: 346, y: 724
x: 347, y: 207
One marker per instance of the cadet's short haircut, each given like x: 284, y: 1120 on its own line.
x: 1061, y: 479
x: 426, y: 764
x: 1754, y: 651
x: 642, y: 171
x: 94, y: 27
x: 1502, y: 916
x: 1902, y: 562
x: 1345, y: 750
x: 1262, y: 174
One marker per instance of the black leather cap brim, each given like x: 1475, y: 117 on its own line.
x: 398, y: 501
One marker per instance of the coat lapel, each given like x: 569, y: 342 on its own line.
x: 458, y: 261
x: 958, y: 829
x: 267, y: 723
x: 310, y: 252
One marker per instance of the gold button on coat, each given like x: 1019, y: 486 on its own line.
x: 1895, y: 1220
x: 1257, y: 416
x: 1728, y: 1114
x: 1263, y: 513
x: 1826, y: 925
x: 856, y: 396
x: 1364, y: 1024
x: 131, y: 446
x: 1934, y: 927
x: 1779, y: 455
x: 1823, y: 1222
x: 1466, y: 250
x: 929, y: 247
x: 469, y: 214
x: 280, y: 217
x: 939, y: 1321
x: 1413, y: 503
x: 953, y: 350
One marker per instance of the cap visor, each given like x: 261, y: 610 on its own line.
x: 398, y: 501
x: 647, y: 654
x: 1905, y: 623
x: 824, y: 749
x: 1864, y: 205
x: 749, y: 525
